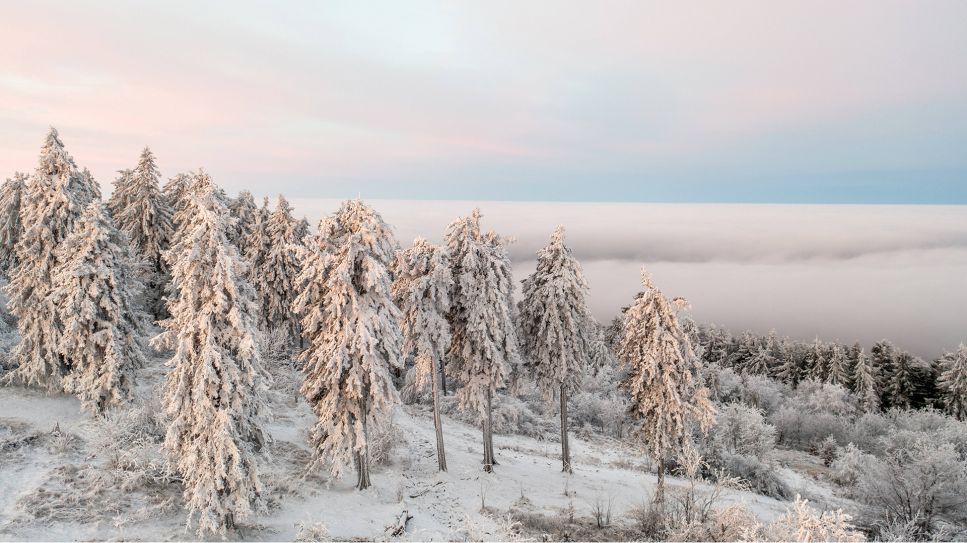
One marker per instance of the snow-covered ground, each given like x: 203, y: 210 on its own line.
x: 52, y: 457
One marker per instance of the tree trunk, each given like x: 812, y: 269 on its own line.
x: 362, y: 457
x: 443, y: 377
x: 488, y: 447
x: 437, y: 421
x: 565, y: 444
x: 660, y: 488
x: 490, y: 429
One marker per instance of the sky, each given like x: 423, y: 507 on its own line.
x: 637, y: 101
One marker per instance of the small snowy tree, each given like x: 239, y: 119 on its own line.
x: 557, y: 329
x: 666, y: 395
x: 246, y: 212
x: 837, y: 370
x: 302, y: 231
x: 353, y: 333
x: 865, y: 383
x: 214, y: 393
x: 457, y: 239
x: 953, y: 382
x: 11, y: 196
x: 274, y: 274
x: 176, y: 192
x: 93, y: 292
x: 256, y: 246
x: 141, y: 212
x: 488, y: 345
x: 422, y: 292
x: 48, y: 212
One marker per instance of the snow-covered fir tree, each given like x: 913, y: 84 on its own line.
x: 214, y: 393
x: 256, y: 245
x: 557, y: 329
x: 302, y: 230
x: 953, y: 382
x: 422, y: 292
x: 49, y: 209
x: 353, y: 334
x: 142, y: 213
x: 85, y: 188
x: 274, y: 274
x: 176, y: 192
x: 93, y: 291
x: 11, y: 195
x: 488, y: 347
x: 667, y: 398
x: 837, y: 368
x: 245, y: 211
x: 882, y: 356
x: 865, y: 383
x: 901, y: 382
x: 457, y: 239
x: 817, y: 363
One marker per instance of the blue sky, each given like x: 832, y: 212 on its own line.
x: 792, y: 102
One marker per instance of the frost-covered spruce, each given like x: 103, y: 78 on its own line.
x: 274, y: 274
x: 256, y: 245
x: 557, y: 329
x: 93, y: 291
x: 48, y: 211
x: 457, y: 238
x: 214, y: 393
x: 837, y: 370
x: 953, y: 382
x: 11, y: 196
x: 302, y: 231
x: 488, y: 347
x: 353, y: 334
x: 142, y: 213
x: 176, y: 192
x: 245, y: 211
x: 665, y: 395
x: 865, y: 383
x: 86, y: 189
x: 422, y: 292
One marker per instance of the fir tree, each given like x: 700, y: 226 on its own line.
x: 953, y: 382
x: 245, y: 211
x: 817, y: 363
x: 274, y: 274
x: 48, y: 211
x: 422, y: 292
x: 488, y: 340
x: 302, y: 231
x: 85, y: 188
x: 666, y: 395
x: 458, y: 237
x: 837, y: 372
x: 882, y: 356
x: 93, y: 292
x: 176, y: 192
x: 214, y: 393
x: 353, y: 334
x: 11, y: 196
x: 141, y: 212
x: 865, y: 383
x: 557, y: 329
x: 901, y: 380
x: 256, y: 246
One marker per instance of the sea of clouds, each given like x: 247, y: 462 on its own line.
x: 837, y: 271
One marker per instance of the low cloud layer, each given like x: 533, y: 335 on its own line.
x: 844, y: 272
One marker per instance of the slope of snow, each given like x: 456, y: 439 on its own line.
x: 55, y: 468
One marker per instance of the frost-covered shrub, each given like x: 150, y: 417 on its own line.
x: 383, y: 439
x: 313, y: 531
x: 275, y: 344
x: 130, y: 442
x: 849, y: 465
x: 762, y: 392
x: 804, y: 429
x: 867, y: 431
x: 826, y: 398
x: 919, y: 479
x: 827, y: 450
x: 761, y: 477
x: 803, y: 523
x: 740, y: 429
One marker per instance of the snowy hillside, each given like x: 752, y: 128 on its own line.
x: 60, y: 479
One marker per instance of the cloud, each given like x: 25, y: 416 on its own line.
x: 846, y: 272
